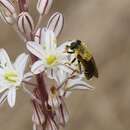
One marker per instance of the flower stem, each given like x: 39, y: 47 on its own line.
x: 38, y: 23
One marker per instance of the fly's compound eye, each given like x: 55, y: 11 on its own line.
x: 74, y: 45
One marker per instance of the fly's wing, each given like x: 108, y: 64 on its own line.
x: 94, y: 67
x: 85, y: 53
x: 90, y: 57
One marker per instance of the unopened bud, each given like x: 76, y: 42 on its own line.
x: 38, y: 118
x: 41, y: 32
x: 56, y: 23
x: 7, y: 11
x: 62, y: 115
x: 43, y: 6
x: 52, y: 125
x: 25, y: 23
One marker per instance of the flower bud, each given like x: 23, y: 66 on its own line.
x: 51, y: 125
x: 41, y: 32
x: 38, y: 117
x: 43, y: 6
x: 37, y: 35
x: 62, y: 115
x: 56, y: 23
x: 25, y: 23
x: 7, y: 11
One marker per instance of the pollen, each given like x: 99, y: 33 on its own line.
x: 11, y: 76
x: 51, y: 59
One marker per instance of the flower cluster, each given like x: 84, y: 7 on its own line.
x: 51, y: 66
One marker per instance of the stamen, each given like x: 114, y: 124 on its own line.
x: 51, y: 59
x: 53, y: 90
x: 11, y: 76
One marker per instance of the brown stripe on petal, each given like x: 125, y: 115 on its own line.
x: 56, y: 23
x: 51, y: 19
x: 52, y: 125
x: 36, y: 35
x: 30, y: 24
x: 25, y: 23
x: 43, y: 30
x: 40, y: 34
x: 2, y: 101
x: 34, y: 49
x: 18, y: 20
x: 36, y: 109
x: 23, y: 27
x: 38, y: 67
x: 45, y: 7
x: 3, y: 17
x: 38, y: 4
x: 4, y: 6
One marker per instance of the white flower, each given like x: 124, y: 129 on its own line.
x: 11, y: 76
x: 68, y: 83
x: 51, y: 57
x: 54, y: 97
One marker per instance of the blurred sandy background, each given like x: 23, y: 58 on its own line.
x: 105, y: 24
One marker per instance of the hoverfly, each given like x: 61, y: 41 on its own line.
x: 84, y: 58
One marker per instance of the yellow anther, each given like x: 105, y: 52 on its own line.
x: 51, y: 59
x: 11, y: 76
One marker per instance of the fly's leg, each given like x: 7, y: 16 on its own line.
x: 79, y: 65
x: 70, y: 52
x: 71, y: 62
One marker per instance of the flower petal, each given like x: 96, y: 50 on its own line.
x: 37, y: 67
x: 65, y: 68
x: 40, y: 36
x: 35, y: 49
x: 3, y: 97
x: 4, y: 58
x: 50, y: 40
x: 20, y: 63
x: 3, y: 88
x: 62, y: 46
x: 11, y: 96
x: 37, y: 35
x: 79, y: 85
x: 54, y: 101
x: 28, y: 76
